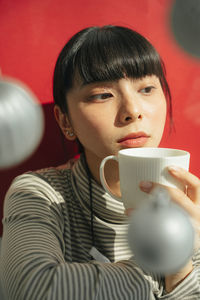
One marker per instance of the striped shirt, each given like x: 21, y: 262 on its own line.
x: 47, y: 240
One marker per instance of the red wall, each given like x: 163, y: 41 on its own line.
x: 32, y: 32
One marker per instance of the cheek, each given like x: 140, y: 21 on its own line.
x: 88, y: 124
x: 158, y: 120
x: 157, y: 113
x: 160, y: 115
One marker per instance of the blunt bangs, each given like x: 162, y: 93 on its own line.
x: 108, y: 53
x: 123, y: 55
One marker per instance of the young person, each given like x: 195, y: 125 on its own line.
x: 64, y: 237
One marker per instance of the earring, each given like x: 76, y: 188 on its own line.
x: 69, y: 133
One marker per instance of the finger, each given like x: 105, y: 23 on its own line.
x: 175, y: 195
x: 128, y: 211
x: 189, y: 206
x: 191, y: 181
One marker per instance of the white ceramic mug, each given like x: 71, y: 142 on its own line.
x: 144, y: 164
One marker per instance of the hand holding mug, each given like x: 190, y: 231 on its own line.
x: 144, y: 164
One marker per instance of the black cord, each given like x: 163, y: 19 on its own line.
x: 89, y: 175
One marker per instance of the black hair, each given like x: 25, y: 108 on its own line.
x: 106, y: 53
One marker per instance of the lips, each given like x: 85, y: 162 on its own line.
x: 136, y: 139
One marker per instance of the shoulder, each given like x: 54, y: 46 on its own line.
x: 45, y: 187
x: 43, y: 180
x: 48, y: 187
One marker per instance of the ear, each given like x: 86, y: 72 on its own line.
x: 64, y: 123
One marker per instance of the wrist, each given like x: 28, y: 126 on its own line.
x: 172, y: 281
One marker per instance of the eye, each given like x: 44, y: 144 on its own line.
x: 147, y: 90
x: 102, y: 96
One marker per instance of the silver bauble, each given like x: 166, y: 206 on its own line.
x: 185, y: 25
x: 161, y: 235
x: 21, y: 123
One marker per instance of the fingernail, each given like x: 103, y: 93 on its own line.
x: 146, y: 186
x: 129, y: 211
x: 174, y: 169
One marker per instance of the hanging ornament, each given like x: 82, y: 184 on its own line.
x: 21, y: 123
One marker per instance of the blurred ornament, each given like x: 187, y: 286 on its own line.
x: 185, y: 25
x: 21, y: 123
x: 161, y: 235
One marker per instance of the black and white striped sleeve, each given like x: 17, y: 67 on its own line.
x: 32, y: 262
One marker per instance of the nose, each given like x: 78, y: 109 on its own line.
x: 130, y: 110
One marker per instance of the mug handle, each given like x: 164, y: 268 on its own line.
x: 102, y: 177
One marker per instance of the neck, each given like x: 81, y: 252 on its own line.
x: 111, y: 172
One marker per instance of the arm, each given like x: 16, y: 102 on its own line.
x: 186, y: 279
x: 33, y: 264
